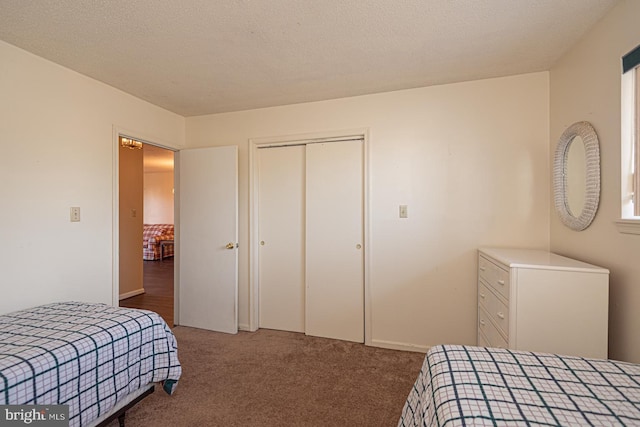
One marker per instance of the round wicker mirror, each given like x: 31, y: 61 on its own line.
x: 580, y: 132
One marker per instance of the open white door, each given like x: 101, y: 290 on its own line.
x: 207, y: 235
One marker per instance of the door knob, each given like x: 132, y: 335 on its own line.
x: 230, y: 246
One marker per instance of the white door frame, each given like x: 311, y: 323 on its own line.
x: 254, y: 287
x: 138, y: 136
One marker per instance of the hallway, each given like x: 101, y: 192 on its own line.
x: 158, y: 286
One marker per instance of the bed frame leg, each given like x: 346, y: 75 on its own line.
x: 121, y: 419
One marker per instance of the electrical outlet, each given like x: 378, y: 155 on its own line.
x: 75, y: 214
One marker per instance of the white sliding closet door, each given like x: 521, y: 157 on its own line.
x: 334, y: 240
x: 281, y: 237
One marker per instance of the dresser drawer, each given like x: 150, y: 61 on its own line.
x: 482, y: 340
x: 484, y: 324
x: 498, y: 340
x: 497, y: 310
x: 495, y: 276
x: 484, y: 269
x: 490, y: 333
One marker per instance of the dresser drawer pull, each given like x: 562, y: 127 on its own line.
x: 482, y: 268
x: 500, y: 314
x: 501, y: 282
x: 482, y: 295
x: 482, y: 322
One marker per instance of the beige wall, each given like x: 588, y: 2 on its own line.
x: 585, y: 85
x: 58, y: 151
x: 131, y: 215
x: 158, y: 198
x: 471, y: 162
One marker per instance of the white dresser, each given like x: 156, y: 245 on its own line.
x: 539, y: 301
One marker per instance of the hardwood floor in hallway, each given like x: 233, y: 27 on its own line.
x: 158, y: 286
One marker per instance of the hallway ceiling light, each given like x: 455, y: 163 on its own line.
x: 130, y: 143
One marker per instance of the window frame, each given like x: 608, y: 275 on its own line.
x: 635, y: 142
x: 630, y: 144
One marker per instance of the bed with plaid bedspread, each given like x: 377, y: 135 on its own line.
x: 152, y: 236
x: 477, y: 386
x: 87, y: 356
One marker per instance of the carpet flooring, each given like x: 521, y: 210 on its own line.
x: 276, y: 378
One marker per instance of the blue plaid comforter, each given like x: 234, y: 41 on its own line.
x: 474, y: 386
x: 87, y: 356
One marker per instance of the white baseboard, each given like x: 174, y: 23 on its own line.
x: 400, y: 346
x: 392, y: 345
x: 131, y: 294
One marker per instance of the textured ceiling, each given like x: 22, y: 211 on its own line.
x: 197, y: 57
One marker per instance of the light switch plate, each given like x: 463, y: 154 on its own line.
x: 403, y: 211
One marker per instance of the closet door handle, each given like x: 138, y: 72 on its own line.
x: 500, y: 315
x: 501, y: 282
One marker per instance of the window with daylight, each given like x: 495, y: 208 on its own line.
x: 630, y: 149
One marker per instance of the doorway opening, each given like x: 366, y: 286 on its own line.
x: 146, y: 227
